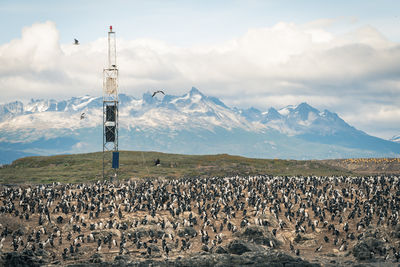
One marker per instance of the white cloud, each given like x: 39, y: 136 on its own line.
x: 274, y: 66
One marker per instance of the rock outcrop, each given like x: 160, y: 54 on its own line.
x: 258, y: 235
x: 368, y: 248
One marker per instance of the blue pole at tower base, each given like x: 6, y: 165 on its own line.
x: 115, y: 160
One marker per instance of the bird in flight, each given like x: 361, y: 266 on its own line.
x: 76, y: 42
x: 156, y: 92
x: 83, y: 115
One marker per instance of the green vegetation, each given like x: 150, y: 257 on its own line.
x: 137, y: 164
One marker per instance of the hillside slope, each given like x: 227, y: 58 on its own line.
x: 137, y: 164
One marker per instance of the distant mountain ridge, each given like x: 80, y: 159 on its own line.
x: 192, y: 123
x: 395, y: 138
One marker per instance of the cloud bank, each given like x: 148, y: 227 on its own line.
x: 355, y: 74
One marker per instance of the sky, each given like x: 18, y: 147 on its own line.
x: 343, y: 56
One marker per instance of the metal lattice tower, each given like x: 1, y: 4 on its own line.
x: 110, y: 111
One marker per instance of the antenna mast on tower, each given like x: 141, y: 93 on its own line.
x: 110, y: 110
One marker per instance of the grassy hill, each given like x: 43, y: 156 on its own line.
x: 137, y: 164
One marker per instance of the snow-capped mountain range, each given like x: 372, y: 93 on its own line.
x: 192, y: 124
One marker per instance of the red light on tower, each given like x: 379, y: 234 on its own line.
x: 110, y: 28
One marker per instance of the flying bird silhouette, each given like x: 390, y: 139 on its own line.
x: 83, y: 115
x: 156, y: 92
x: 76, y: 42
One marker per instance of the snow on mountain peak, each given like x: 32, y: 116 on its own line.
x: 273, y: 114
x: 395, y: 138
x: 11, y: 109
x: 286, y: 110
x: 195, y: 91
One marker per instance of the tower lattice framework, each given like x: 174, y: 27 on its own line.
x: 110, y: 111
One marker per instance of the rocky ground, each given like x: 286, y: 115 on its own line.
x: 270, y: 221
x: 236, y: 253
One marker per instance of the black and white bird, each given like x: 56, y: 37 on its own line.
x: 76, y: 42
x: 297, y: 252
x: 156, y: 92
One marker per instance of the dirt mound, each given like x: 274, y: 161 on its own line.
x: 367, y: 166
x: 259, y: 235
x: 250, y: 258
x: 368, y: 248
x: 24, y: 258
